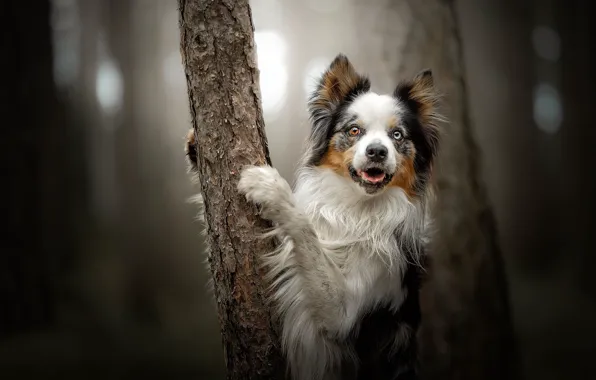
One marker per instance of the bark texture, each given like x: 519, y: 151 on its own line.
x: 218, y: 51
x: 466, y: 331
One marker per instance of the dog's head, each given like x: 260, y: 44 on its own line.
x: 377, y: 141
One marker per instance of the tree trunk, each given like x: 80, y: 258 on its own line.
x: 218, y: 53
x: 466, y: 331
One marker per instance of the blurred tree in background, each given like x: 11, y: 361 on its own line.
x: 38, y: 175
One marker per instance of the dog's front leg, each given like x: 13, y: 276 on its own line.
x: 310, y: 292
x: 323, y: 282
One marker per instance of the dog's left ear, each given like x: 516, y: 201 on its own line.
x: 420, y: 96
x: 422, y: 99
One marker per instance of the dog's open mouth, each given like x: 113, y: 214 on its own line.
x: 372, y: 175
x: 372, y: 179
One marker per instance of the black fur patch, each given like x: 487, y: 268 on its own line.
x: 378, y: 332
x: 424, y: 137
x: 425, y: 152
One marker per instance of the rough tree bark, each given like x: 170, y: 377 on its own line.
x: 218, y: 52
x: 466, y: 331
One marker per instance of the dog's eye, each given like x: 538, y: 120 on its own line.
x: 354, y: 131
x: 397, y: 135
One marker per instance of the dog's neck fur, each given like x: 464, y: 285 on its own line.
x: 344, y: 216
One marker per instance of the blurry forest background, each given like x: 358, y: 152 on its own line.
x: 115, y: 274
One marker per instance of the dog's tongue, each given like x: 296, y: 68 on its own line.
x: 372, y: 178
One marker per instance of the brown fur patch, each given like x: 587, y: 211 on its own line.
x: 423, y: 92
x: 336, y: 160
x: 392, y: 122
x: 190, y: 148
x: 405, y: 178
x: 190, y: 138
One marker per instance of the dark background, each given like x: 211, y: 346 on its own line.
x: 101, y: 268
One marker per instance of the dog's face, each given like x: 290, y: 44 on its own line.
x: 376, y: 141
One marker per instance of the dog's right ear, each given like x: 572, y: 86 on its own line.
x: 190, y: 148
x: 338, y: 83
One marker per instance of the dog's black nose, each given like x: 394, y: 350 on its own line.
x: 376, y: 152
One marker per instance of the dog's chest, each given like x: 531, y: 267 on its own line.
x: 371, y: 268
x: 369, y: 258
x: 371, y: 282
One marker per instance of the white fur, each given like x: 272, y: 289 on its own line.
x: 338, y: 258
x: 375, y: 111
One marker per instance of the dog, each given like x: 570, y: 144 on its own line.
x: 351, y: 233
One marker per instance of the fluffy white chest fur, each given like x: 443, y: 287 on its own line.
x: 359, y: 233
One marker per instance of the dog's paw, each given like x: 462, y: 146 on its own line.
x: 263, y: 185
